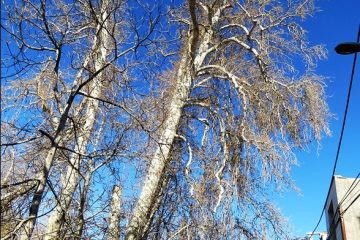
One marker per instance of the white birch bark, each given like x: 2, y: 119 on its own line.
x: 143, y: 209
x: 113, y: 232
x: 151, y: 191
x: 70, y: 179
x: 35, y: 204
x: 30, y: 222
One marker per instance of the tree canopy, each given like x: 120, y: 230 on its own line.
x: 133, y: 120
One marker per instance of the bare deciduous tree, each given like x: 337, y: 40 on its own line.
x: 203, y: 108
x: 236, y: 84
x: 65, y: 58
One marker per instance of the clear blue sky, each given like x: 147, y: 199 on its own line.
x: 337, y: 22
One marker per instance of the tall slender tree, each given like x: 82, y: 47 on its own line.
x: 236, y: 82
x: 64, y: 58
x: 102, y: 45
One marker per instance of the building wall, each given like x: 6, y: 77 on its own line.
x: 331, y: 221
x: 351, y: 218
x: 352, y: 215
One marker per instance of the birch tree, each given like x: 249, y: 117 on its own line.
x: 99, y: 52
x: 236, y: 82
x: 207, y: 105
x: 64, y: 59
x: 114, y: 220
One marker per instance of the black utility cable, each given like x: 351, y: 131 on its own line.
x: 342, y: 130
x: 351, y: 188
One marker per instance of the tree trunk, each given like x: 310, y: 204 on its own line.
x: 29, y: 224
x: 191, y: 60
x: 83, y: 198
x: 113, y: 232
x: 35, y: 203
x: 150, y: 192
x: 70, y: 180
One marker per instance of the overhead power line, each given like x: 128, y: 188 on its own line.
x: 342, y: 130
x: 351, y: 188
